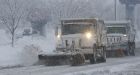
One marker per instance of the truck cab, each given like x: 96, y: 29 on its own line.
x: 84, y: 36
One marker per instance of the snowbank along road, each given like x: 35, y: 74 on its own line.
x: 113, y: 66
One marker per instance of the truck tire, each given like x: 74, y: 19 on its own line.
x: 103, y: 56
x: 126, y: 52
x: 77, y: 59
x: 93, y: 60
x: 132, y: 49
x: 102, y: 59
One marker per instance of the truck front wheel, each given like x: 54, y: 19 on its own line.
x: 102, y: 59
x: 132, y: 48
x: 93, y: 60
x: 77, y: 59
x: 103, y: 56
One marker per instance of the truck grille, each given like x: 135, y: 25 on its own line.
x: 69, y: 43
x: 114, y: 39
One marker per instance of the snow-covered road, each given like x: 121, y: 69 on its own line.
x: 114, y: 66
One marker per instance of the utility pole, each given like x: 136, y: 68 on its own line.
x: 115, y: 9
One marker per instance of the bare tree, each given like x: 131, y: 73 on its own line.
x: 12, y: 12
x: 68, y: 9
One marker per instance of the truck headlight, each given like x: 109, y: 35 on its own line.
x: 88, y: 35
x: 58, y: 36
x: 125, y: 35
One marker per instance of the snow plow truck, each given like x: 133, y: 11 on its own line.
x: 120, y: 38
x: 79, y: 40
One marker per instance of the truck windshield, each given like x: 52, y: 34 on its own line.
x: 74, y: 29
x: 121, y: 30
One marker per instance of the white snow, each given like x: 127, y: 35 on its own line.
x: 138, y: 39
x: 104, y: 70
x: 47, y: 43
x: 16, y: 56
x: 114, y: 66
x: 4, y: 38
x: 50, y: 38
x: 9, y: 56
x: 26, y: 49
x: 138, y: 36
x: 107, y: 70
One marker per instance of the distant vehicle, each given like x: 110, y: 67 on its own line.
x: 121, y: 35
x: 26, y: 32
x: 80, y: 39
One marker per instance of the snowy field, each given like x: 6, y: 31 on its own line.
x: 25, y: 52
